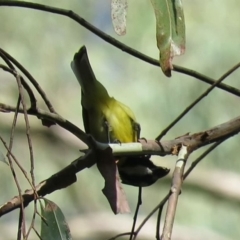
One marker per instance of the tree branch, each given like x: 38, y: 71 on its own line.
x: 174, y: 193
x: 59, y: 180
x: 152, y: 147
x: 67, y: 176
x: 116, y: 43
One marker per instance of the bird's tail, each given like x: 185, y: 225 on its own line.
x: 83, y: 70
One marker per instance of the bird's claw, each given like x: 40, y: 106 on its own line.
x: 117, y: 141
x: 142, y: 138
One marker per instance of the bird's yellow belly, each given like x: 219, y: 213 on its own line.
x: 108, y: 128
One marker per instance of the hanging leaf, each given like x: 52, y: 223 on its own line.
x: 119, y: 16
x: 170, y: 31
x: 113, y: 189
x: 54, y: 225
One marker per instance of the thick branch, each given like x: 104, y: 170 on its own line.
x: 194, y: 141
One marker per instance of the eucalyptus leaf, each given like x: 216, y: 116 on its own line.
x: 119, y: 16
x: 54, y: 225
x: 170, y: 34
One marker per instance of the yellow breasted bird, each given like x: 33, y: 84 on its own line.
x: 109, y: 121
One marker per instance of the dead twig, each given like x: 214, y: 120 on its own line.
x: 174, y: 193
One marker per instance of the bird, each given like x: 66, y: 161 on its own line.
x: 110, y: 121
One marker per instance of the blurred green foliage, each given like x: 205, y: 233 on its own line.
x: 45, y: 43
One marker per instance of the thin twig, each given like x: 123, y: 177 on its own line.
x: 32, y: 80
x: 150, y: 214
x: 114, y: 42
x: 22, y: 225
x: 7, y: 59
x: 202, y: 156
x: 120, y: 235
x: 206, y: 79
x: 25, y: 85
x: 224, y: 76
x: 139, y: 202
x: 158, y: 222
x: 17, y: 162
x: 36, y: 232
x: 32, y: 224
x: 30, y: 147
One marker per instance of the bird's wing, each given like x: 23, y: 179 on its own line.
x: 85, y: 120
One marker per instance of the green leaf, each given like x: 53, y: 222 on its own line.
x: 54, y: 225
x: 170, y: 31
